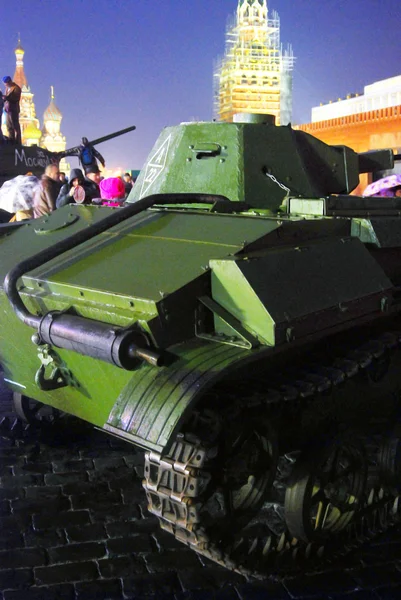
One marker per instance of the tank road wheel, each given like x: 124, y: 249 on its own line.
x: 244, y: 471
x: 389, y: 458
x: 325, y: 488
x: 32, y: 411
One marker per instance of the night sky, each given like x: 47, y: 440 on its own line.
x: 150, y: 63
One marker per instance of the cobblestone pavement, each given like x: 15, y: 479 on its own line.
x: 74, y: 525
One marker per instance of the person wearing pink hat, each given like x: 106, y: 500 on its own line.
x: 112, y: 191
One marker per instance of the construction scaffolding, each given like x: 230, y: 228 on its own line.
x: 255, y: 75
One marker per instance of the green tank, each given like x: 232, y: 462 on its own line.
x: 239, y: 321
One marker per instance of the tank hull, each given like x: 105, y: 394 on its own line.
x: 236, y: 321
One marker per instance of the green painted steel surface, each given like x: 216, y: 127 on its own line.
x: 99, y: 383
x: 123, y: 276
x: 173, y: 165
x: 151, y: 407
x: 289, y: 284
x: 155, y: 251
x: 259, y: 164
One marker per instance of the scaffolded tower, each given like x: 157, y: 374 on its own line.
x: 255, y: 75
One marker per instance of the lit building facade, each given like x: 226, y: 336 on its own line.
x: 378, y: 95
x: 255, y: 75
x: 50, y: 137
x: 370, y: 121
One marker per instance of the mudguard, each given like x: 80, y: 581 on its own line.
x: 153, y: 405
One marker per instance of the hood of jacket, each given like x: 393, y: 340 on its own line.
x: 76, y: 174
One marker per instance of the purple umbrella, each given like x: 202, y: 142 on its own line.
x: 383, y: 187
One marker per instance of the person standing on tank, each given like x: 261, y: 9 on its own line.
x: 1, y: 116
x: 11, y: 106
x: 87, y: 155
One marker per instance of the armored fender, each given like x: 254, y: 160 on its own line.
x: 151, y: 409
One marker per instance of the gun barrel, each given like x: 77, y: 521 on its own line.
x: 375, y: 160
x: 110, y: 136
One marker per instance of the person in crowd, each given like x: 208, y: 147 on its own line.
x: 66, y: 194
x: 92, y: 180
x: 62, y: 177
x: 128, y: 183
x: 112, y: 191
x: 87, y: 155
x: 1, y: 116
x: 44, y: 201
x: 11, y: 106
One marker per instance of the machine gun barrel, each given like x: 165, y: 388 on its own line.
x: 110, y: 136
x: 376, y: 160
x: 105, y: 138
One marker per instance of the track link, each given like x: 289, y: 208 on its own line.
x: 178, y: 484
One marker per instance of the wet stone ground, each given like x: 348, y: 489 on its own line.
x: 74, y: 526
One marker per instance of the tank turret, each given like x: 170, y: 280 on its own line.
x: 253, y: 160
x: 238, y: 320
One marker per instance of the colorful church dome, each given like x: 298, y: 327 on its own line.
x: 19, y: 74
x: 52, y: 113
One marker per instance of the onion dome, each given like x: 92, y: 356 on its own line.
x: 31, y: 132
x: 19, y: 74
x: 52, y: 113
x: 241, y: 2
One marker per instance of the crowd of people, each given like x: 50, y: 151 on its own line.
x: 36, y: 198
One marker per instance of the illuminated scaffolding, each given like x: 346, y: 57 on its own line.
x: 255, y: 74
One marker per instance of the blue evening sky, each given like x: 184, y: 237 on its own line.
x: 150, y: 63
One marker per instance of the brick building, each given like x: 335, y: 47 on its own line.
x: 364, y: 122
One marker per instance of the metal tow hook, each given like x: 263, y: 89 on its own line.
x: 57, y: 377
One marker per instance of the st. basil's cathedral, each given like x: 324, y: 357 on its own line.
x: 50, y: 136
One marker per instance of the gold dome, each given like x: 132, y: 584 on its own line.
x: 19, y: 49
x: 31, y: 132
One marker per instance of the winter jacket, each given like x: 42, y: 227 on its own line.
x: 1, y: 114
x: 64, y: 196
x: 44, y: 201
x: 12, y: 97
x: 88, y: 155
x: 92, y: 189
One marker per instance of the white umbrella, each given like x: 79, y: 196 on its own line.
x: 18, y: 193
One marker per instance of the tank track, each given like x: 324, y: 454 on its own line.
x: 176, y: 483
